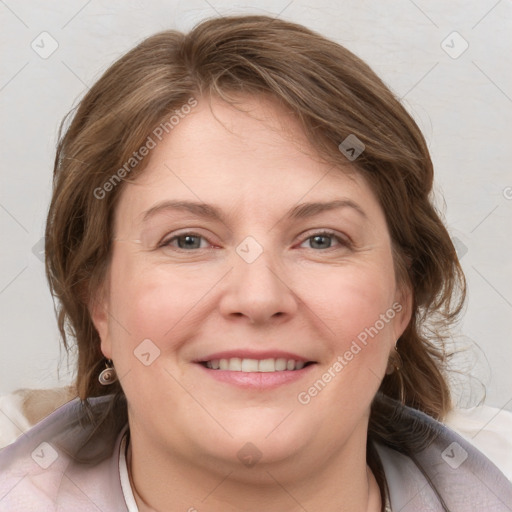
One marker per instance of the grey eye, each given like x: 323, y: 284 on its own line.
x: 185, y: 241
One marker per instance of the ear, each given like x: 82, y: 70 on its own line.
x: 99, y: 311
x: 403, y: 307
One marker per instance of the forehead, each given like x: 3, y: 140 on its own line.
x: 253, y: 154
x: 254, y: 130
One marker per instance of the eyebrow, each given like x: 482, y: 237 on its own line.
x: 208, y: 211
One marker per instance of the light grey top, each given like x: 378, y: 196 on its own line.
x: 64, y: 464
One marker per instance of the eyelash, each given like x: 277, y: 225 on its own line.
x: 343, y: 242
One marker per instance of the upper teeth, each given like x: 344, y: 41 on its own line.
x: 236, y: 364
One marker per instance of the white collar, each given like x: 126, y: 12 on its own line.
x: 125, y: 479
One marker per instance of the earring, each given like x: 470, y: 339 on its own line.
x: 394, y: 363
x: 108, y: 375
x: 395, y: 366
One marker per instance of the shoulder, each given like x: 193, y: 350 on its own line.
x: 448, y: 471
x: 67, y: 461
x: 489, y: 429
x: 23, y: 408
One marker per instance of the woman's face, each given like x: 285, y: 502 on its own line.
x: 237, y: 249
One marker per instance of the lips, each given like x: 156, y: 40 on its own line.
x: 259, y: 370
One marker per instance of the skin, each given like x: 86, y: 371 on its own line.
x: 312, y: 299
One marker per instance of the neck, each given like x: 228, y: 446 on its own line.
x: 179, y: 487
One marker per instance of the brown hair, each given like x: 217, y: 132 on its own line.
x: 333, y: 94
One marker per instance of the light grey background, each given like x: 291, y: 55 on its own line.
x: 462, y: 102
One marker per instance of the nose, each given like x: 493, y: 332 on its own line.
x: 260, y: 292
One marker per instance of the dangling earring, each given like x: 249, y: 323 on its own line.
x: 108, y: 375
x: 395, y: 366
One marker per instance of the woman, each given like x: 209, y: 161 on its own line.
x: 241, y: 241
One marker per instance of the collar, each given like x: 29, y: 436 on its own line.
x: 123, y: 474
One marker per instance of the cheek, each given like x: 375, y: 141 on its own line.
x: 141, y: 302
x: 147, y: 326
x: 354, y: 299
x: 153, y: 301
x: 361, y: 313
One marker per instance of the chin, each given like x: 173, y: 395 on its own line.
x: 262, y: 437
